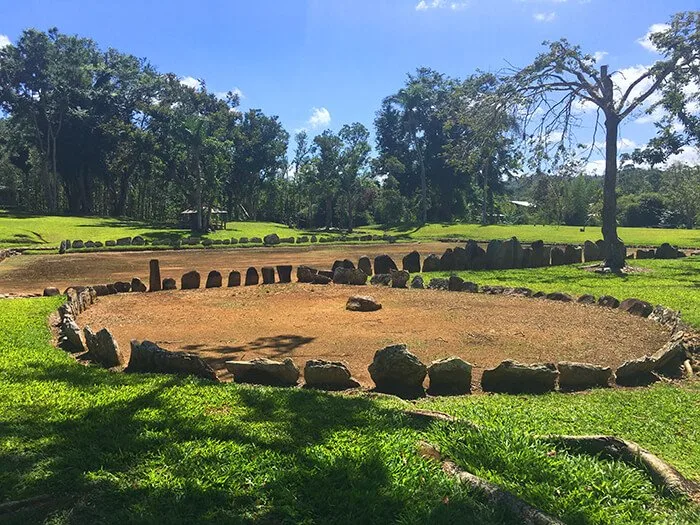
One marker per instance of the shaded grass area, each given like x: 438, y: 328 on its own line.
x: 116, y: 448
x: 672, y: 283
x: 549, y: 233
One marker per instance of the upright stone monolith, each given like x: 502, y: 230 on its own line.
x: 154, y: 276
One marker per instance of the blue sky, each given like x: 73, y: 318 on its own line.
x: 324, y: 63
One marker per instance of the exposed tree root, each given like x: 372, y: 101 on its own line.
x: 496, y: 496
x: 663, y: 475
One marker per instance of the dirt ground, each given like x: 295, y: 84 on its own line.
x: 305, y: 322
x: 32, y: 273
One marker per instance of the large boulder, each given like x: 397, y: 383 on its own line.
x: 476, y: 256
x: 450, y: 376
x: 417, y: 282
x: 381, y: 279
x: 365, y: 264
x: 137, y: 285
x: 447, y: 261
x: 591, y: 252
x: 455, y: 283
x: 234, y: 278
x: 516, y: 378
x: 459, y: 258
x: 608, y: 301
x: 431, y: 263
x: 586, y: 299
x: 213, y: 280
x: 395, y: 370
x: 636, y: 372
x: 636, y: 307
x: 154, y: 275
x: 306, y: 274
x: 345, y: 263
x: 363, y: 303
x: 540, y: 254
x: 505, y: 254
x: 582, y: 376
x: 560, y: 296
x: 572, y: 254
x: 103, y: 348
x: 124, y: 241
x: 341, y: 275
x: 51, y: 291
x: 558, y: 256
x: 149, y: 357
x: 190, y: 280
x: 665, y: 316
x: 439, y: 283
x: 271, y: 239
x: 319, y: 278
x: 122, y: 286
x: 670, y: 358
x: 411, y: 262
x: 138, y: 241
x: 284, y: 272
x: 666, y: 251
x: 357, y: 277
x: 77, y: 244
x: 384, y: 264
x: 70, y: 335
x: 169, y: 284
x: 251, y: 277
x: 328, y: 375
x: 645, y: 254
x: 264, y: 371
x: 268, y: 274
x: 399, y: 279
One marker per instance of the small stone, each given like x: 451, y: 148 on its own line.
x: 51, y: 292
x: 251, y: 277
x: 586, y: 299
x: 234, y: 279
x: 264, y: 371
x: 582, y: 376
x: 559, y: 296
x: 271, y: 239
x: 431, y: 263
x: 608, y: 301
x: 169, y: 284
x: 417, y: 282
x: 636, y: 307
x: 411, y: 262
x: 399, y: 278
x: 365, y: 264
x: 381, y: 279
x: 362, y: 303
x: 122, y: 286
x: 268, y: 274
x: 439, y: 283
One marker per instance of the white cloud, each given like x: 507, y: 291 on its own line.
x: 545, y: 17
x: 191, y: 82
x: 223, y: 94
x: 4, y: 41
x: 319, y: 117
x: 424, y: 5
x: 646, y: 42
x: 598, y: 56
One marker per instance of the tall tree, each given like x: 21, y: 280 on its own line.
x: 354, y: 160
x: 564, y: 76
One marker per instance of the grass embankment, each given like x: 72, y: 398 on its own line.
x: 49, y: 231
x: 672, y: 283
x: 116, y: 448
x: 550, y: 234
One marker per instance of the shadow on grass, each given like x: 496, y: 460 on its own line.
x: 161, y: 449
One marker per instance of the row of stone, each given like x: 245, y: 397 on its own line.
x: 395, y: 370
x: 269, y: 240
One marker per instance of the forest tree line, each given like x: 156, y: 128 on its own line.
x: 92, y: 132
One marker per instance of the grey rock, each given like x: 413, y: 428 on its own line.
x: 306, y: 274
x: 383, y: 264
x: 365, y: 264
x: 264, y: 371
x: 582, y: 376
x: 395, y: 370
x: 417, y: 282
x: 608, y: 301
x: 636, y: 307
x: 517, y: 378
x: 411, y: 262
x: 190, y: 281
x: 137, y: 285
x: 284, y: 272
x: 439, y: 283
x: 251, y: 277
x: 154, y: 275
x: 381, y: 279
x: 432, y: 263
x: 271, y: 239
x: 399, y: 279
x: 586, y: 299
x: 362, y: 303
x: 169, y: 284
x: 51, y: 292
x: 328, y: 375
x: 636, y: 372
x: 103, y: 348
x: 213, y: 280
x: 450, y: 376
x: 149, y: 357
x: 268, y: 274
x: 234, y: 278
x: 559, y: 296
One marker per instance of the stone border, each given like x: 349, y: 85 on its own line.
x: 449, y: 376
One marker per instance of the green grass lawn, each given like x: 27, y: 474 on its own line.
x: 672, y: 283
x: 49, y: 231
x: 117, y: 448
x: 551, y: 234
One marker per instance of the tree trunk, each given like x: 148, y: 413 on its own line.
x: 484, y: 203
x: 615, y: 254
x: 329, y: 212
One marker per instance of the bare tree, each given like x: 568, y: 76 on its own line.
x: 549, y: 92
